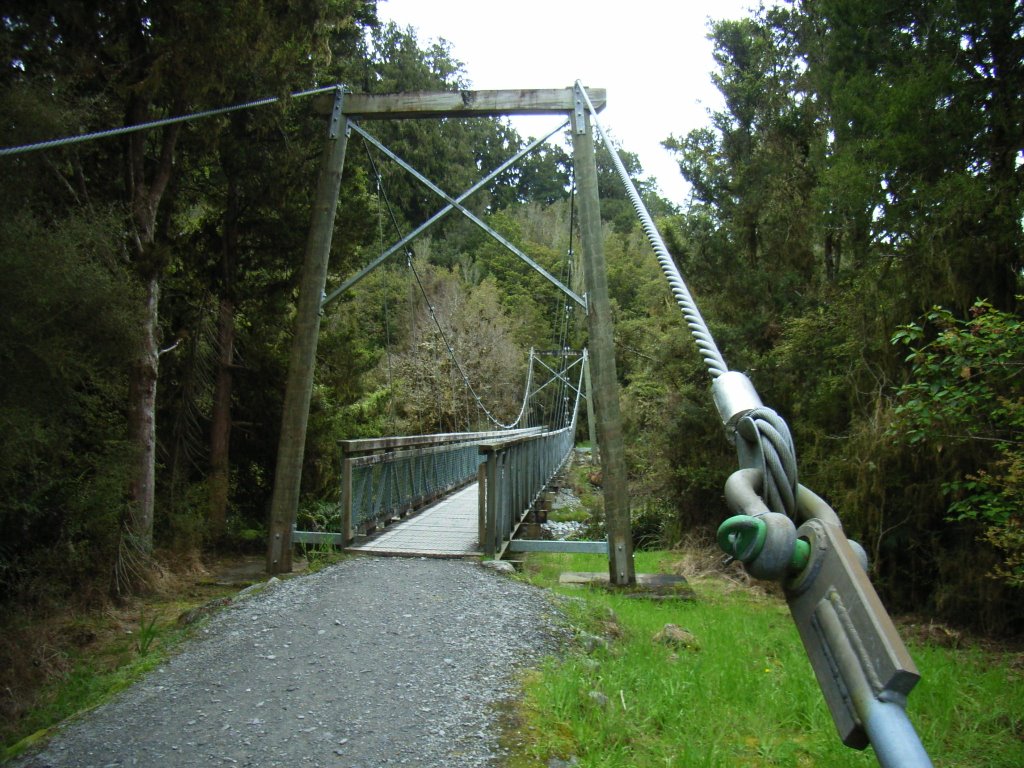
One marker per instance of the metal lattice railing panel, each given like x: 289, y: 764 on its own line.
x: 387, y: 478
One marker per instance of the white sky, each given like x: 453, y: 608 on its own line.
x: 654, y: 59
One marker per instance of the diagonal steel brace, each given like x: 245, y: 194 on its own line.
x: 455, y: 203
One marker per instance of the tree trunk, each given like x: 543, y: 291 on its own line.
x: 1002, y: 255
x: 142, y: 423
x: 220, y: 429
x: 144, y: 195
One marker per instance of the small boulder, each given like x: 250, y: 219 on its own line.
x: 590, y: 643
x: 498, y: 565
x: 675, y: 636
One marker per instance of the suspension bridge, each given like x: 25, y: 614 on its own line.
x: 461, y: 494
x: 780, y: 530
x: 474, y: 488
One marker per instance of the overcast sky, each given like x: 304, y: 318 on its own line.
x: 655, y: 61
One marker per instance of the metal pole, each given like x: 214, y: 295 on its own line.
x: 893, y: 737
x: 599, y: 324
x: 299, y: 387
x: 481, y: 486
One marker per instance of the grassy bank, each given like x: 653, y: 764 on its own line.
x: 742, y: 692
x: 59, y: 663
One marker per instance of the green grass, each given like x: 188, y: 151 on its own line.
x: 79, y: 659
x: 92, y: 678
x: 746, y: 697
x: 570, y: 514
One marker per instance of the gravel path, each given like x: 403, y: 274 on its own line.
x: 372, y: 662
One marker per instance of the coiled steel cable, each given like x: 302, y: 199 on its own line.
x: 694, y: 321
x: 767, y: 430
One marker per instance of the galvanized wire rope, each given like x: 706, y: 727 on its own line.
x: 563, y: 311
x: 769, y: 432
x: 64, y: 141
x: 382, y: 195
x: 458, y: 365
x: 694, y: 321
x: 387, y: 319
x: 766, y: 429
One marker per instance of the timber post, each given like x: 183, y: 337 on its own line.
x: 599, y: 324
x: 595, y: 452
x: 299, y: 386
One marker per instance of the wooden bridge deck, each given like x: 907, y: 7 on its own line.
x: 447, y: 528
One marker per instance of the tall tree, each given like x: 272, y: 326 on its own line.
x: 142, y: 61
x: 927, y: 123
x: 111, y: 52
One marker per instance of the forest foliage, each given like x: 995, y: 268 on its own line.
x: 854, y: 239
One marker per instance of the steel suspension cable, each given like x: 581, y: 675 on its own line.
x: 458, y: 365
x: 770, y: 443
x: 698, y: 328
x: 563, y: 337
x: 387, y: 319
x: 159, y: 123
x: 382, y: 194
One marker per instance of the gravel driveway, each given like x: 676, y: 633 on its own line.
x: 371, y: 662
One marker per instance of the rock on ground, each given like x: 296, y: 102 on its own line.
x: 372, y: 662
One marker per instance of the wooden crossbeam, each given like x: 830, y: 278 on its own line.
x: 417, y: 104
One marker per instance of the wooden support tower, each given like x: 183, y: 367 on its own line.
x: 605, y: 391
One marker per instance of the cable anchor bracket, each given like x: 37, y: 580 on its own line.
x: 862, y: 666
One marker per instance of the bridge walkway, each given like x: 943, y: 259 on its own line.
x: 448, y: 528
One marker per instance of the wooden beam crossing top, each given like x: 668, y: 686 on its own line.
x: 421, y: 104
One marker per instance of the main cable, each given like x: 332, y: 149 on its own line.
x: 465, y: 378
x: 765, y: 432
x: 51, y: 143
x: 694, y: 321
x: 430, y: 309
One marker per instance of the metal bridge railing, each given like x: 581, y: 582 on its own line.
x: 515, y: 472
x: 385, y: 478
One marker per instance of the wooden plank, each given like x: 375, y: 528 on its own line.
x: 317, y: 537
x: 302, y: 357
x: 447, y: 529
x: 420, y: 104
x: 665, y: 583
x: 601, y: 347
x: 515, y: 439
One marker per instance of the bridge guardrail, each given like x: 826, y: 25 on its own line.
x: 514, y: 473
x: 384, y: 478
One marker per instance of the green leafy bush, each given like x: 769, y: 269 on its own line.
x: 966, y: 395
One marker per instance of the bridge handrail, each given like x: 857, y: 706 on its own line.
x: 514, y: 474
x: 366, y: 445
x: 388, y: 477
